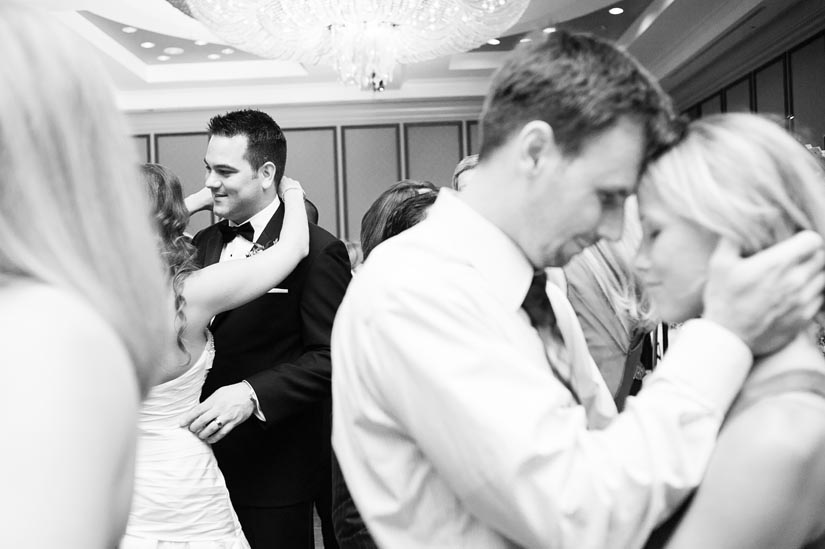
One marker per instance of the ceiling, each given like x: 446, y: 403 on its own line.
x: 675, y: 39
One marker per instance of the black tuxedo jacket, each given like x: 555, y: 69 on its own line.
x: 279, y: 343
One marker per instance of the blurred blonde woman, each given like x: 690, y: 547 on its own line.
x: 84, y: 308
x: 611, y: 304
x: 743, y: 178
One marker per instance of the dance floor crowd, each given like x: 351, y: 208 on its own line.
x: 492, y: 364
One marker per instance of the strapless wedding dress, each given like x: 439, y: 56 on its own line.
x: 180, y: 498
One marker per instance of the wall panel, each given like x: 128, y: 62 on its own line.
x: 711, y: 105
x: 433, y: 150
x: 183, y: 154
x: 142, y: 147
x: 372, y: 162
x: 770, y: 88
x: 738, y: 96
x: 473, y: 137
x: 807, y: 77
x: 311, y: 159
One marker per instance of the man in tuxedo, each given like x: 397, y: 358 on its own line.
x: 266, y: 402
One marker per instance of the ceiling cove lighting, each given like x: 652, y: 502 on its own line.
x: 363, y: 40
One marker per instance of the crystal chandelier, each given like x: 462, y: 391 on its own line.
x: 363, y: 39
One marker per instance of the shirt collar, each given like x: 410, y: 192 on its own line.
x: 499, y: 260
x: 260, y: 219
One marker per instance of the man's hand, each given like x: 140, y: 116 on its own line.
x: 201, y: 200
x: 768, y: 298
x: 215, y: 417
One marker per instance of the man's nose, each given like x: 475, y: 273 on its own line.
x: 211, y: 182
x: 612, y: 225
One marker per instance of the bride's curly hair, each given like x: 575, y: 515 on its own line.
x: 171, y: 217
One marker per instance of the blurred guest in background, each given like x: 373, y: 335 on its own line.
x: 612, y: 306
x: 375, y: 218
x: 356, y: 254
x: 85, y: 313
x: 462, y: 169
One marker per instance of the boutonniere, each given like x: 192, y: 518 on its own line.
x: 258, y: 247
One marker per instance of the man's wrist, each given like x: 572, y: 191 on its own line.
x: 256, y: 405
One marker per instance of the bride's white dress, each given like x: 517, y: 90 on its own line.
x: 180, y: 498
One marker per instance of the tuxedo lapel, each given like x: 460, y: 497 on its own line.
x: 270, y: 234
x: 272, y: 231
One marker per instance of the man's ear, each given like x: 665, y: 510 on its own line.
x: 536, y: 145
x: 267, y: 173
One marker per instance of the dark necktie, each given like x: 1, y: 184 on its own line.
x: 538, y: 308
x: 228, y: 233
x: 537, y: 304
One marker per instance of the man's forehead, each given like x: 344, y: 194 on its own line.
x: 222, y: 149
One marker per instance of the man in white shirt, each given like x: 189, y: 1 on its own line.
x: 458, y: 423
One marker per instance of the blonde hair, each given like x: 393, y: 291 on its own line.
x: 610, y: 264
x: 743, y: 177
x: 73, y: 212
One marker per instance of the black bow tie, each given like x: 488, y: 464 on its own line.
x: 537, y: 304
x: 229, y: 233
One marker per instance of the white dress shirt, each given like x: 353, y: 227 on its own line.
x: 452, y: 430
x: 239, y: 248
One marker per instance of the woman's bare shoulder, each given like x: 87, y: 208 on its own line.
x: 780, y: 433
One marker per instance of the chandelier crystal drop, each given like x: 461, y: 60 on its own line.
x: 363, y: 39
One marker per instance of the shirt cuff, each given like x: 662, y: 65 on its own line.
x: 710, y: 360
x: 254, y: 398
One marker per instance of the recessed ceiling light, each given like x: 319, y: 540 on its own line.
x: 548, y: 30
x: 494, y: 41
x: 615, y: 11
x: 227, y: 51
x: 213, y: 56
x: 201, y: 42
x: 173, y: 50
x: 147, y: 45
x: 526, y: 40
x: 163, y: 58
x: 129, y: 30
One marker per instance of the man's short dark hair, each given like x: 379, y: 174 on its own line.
x: 265, y: 140
x: 580, y: 85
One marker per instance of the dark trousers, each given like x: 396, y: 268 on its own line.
x: 323, y: 505
x: 278, y: 527
x: 350, y: 529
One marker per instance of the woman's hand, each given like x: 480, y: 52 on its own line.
x: 201, y: 200
x: 288, y: 184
